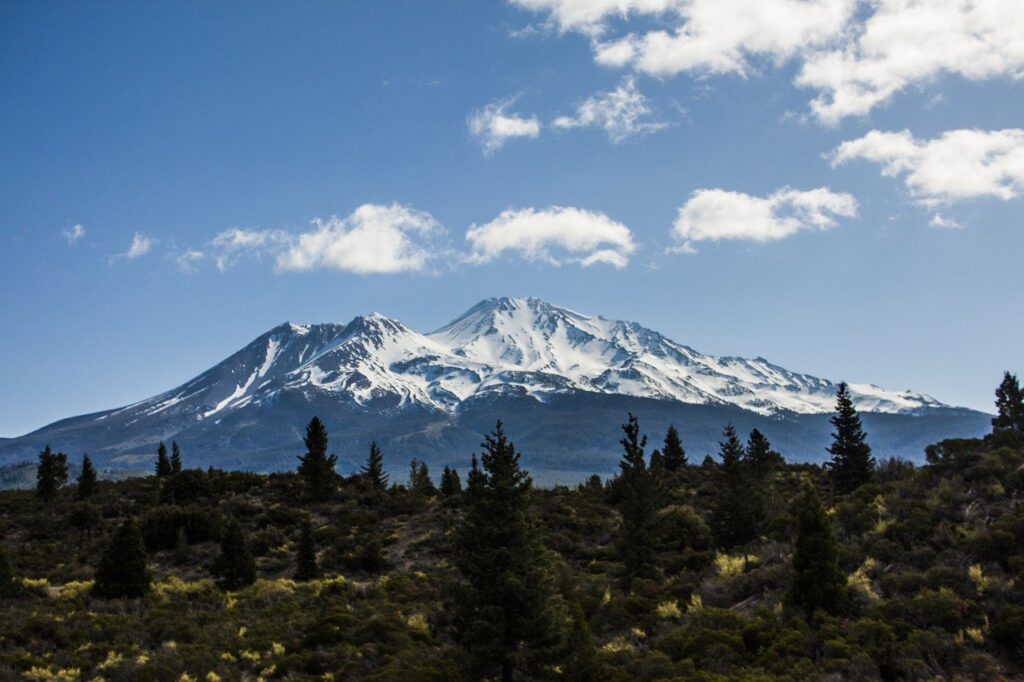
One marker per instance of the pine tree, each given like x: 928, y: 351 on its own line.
x: 639, y: 498
x: 581, y: 662
x: 316, y: 466
x: 419, y: 479
x: 817, y: 581
x: 672, y: 451
x: 163, y: 465
x: 451, y: 484
x: 760, y: 457
x: 175, y: 458
x: 51, y: 474
x: 657, y: 462
x: 235, y: 568
x: 510, y: 616
x: 735, y: 512
x: 852, y: 463
x: 86, y: 479
x: 373, y: 471
x: 1009, y: 407
x: 122, y: 571
x: 305, y: 558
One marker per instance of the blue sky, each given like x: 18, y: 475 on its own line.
x: 832, y: 185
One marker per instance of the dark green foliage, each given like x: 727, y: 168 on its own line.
x: 181, y: 545
x: 51, y: 474
x: 186, y: 487
x: 581, y: 655
x: 316, y: 466
x: 122, y: 572
x: 175, y: 458
x: 852, y: 463
x: 163, y: 464
x: 235, y: 568
x: 305, y: 559
x: 160, y: 526
x: 672, y: 450
x: 510, y: 617
x: 817, y: 581
x: 639, y: 497
x: 657, y: 462
x: 1009, y: 406
x: 736, y: 513
x: 6, y: 572
x: 85, y: 518
x: 451, y: 484
x: 86, y: 479
x: 419, y: 479
x: 760, y: 457
x: 373, y: 471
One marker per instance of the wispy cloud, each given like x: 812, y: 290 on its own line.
x: 622, y: 113
x: 73, y: 234
x: 140, y: 246
x: 492, y: 126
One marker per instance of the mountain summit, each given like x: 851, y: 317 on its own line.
x: 503, y: 353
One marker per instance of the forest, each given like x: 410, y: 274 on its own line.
x: 738, y: 566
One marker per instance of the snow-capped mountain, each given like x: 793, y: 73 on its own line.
x: 376, y: 377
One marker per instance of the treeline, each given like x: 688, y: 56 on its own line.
x: 740, y: 566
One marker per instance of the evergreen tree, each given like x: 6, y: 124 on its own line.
x: 163, y: 464
x: 657, y: 462
x: 735, y: 512
x: 122, y: 571
x: 817, y: 581
x: 672, y: 451
x: 181, y: 545
x: 235, y: 567
x: 760, y: 457
x: 852, y: 463
x: 451, y: 484
x: 1009, y: 407
x: 51, y: 474
x: 316, y: 466
x: 86, y: 479
x: 419, y: 479
x: 510, y: 616
x: 373, y: 470
x: 6, y: 572
x: 639, y: 498
x: 305, y: 558
x: 175, y: 458
x: 581, y: 662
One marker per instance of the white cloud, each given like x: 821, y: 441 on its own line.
x: 944, y: 222
x: 188, y: 259
x: 374, y: 239
x: 554, y: 235
x: 856, y: 54
x: 231, y: 244
x: 715, y: 214
x: 957, y: 165
x: 623, y: 113
x: 73, y: 234
x: 140, y: 246
x: 491, y: 126
x: 905, y: 42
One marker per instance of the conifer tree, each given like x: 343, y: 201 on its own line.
x: 735, y: 513
x: 305, y: 558
x: 852, y: 463
x: 122, y: 571
x: 639, y: 498
x: 235, y: 568
x: 316, y: 466
x: 419, y: 479
x: 672, y: 451
x: 86, y: 479
x: 373, y: 471
x: 510, y: 616
x: 163, y: 464
x: 657, y: 462
x: 1009, y: 407
x: 175, y: 458
x: 760, y: 457
x: 451, y: 484
x: 581, y: 660
x: 51, y: 474
x: 817, y: 581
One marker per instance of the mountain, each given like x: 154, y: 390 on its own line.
x: 566, y: 380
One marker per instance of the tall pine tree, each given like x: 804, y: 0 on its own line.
x: 419, y: 479
x: 1009, y: 407
x: 760, y: 457
x: 175, y: 458
x: 451, y: 484
x: 235, y: 567
x: 373, y: 471
x: 735, y: 512
x: 86, y: 479
x: 122, y: 571
x: 316, y: 466
x: 51, y: 474
x: 817, y: 581
x: 163, y: 464
x: 672, y: 453
x: 510, y: 617
x: 305, y: 558
x: 852, y: 463
x: 639, y: 497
